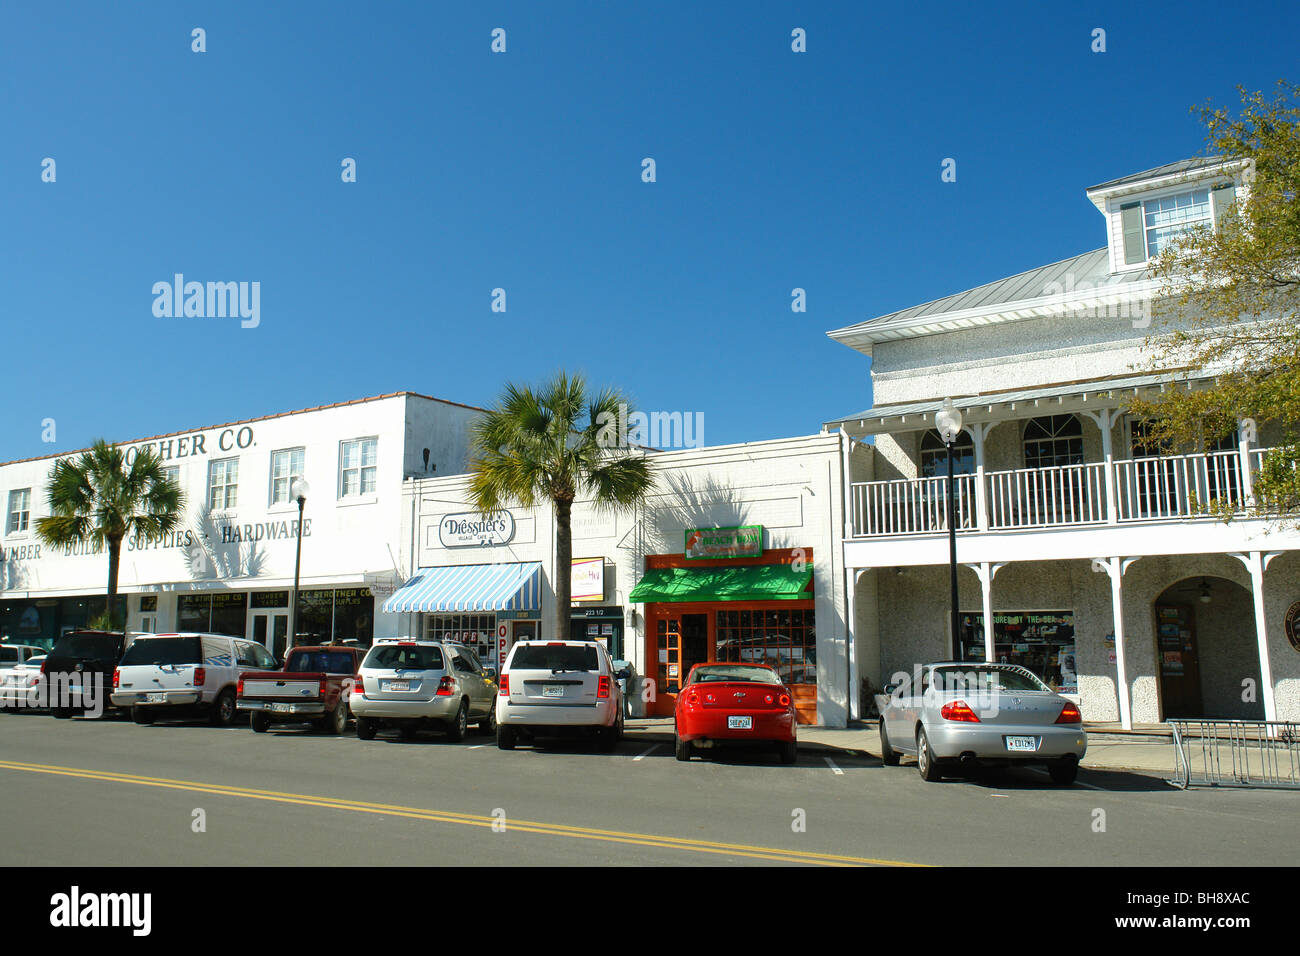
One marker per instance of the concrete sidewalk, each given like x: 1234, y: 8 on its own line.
x: 1149, y: 753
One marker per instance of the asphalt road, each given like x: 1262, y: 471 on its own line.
x: 122, y: 794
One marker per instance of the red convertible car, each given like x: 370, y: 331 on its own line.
x: 722, y: 704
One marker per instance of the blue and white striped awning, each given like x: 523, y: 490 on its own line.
x: 471, y: 587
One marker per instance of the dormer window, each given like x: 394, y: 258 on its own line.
x: 1150, y: 225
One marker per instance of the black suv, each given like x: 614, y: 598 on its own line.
x: 81, y: 656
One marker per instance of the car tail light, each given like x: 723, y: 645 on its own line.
x: 602, y: 687
x: 200, y: 676
x: 958, y: 710
x: 1070, y: 715
x: 359, y: 685
x: 239, y: 686
x: 44, y: 664
x: 692, y: 698
x: 505, y: 685
x: 784, y: 700
x: 555, y: 643
x: 323, y: 682
x: 117, y: 677
x: 446, y: 686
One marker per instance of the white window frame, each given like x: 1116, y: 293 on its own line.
x: 230, y: 497
x: 22, y: 496
x: 288, y: 478
x: 360, y: 468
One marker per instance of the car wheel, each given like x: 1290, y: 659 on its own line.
x: 683, y: 749
x: 505, y: 738
x: 260, y: 723
x: 1063, y: 772
x: 925, y: 762
x: 142, y: 715
x: 489, y: 726
x: 610, y: 736
x: 336, y: 721
x: 460, y: 725
x: 365, y: 728
x: 888, y: 755
x: 789, y: 752
x: 223, y: 710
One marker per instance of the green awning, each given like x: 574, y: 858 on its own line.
x: 768, y: 582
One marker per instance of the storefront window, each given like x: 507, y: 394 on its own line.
x: 354, y: 615
x: 1040, y: 641
x: 786, y: 640
x: 476, y: 630
x: 223, y: 613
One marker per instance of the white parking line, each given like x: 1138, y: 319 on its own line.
x: 476, y: 747
x: 646, y: 754
x: 831, y: 763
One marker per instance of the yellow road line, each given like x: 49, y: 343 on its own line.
x: 465, y: 819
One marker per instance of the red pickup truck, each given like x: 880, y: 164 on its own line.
x: 313, y: 686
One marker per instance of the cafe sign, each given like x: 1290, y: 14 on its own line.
x: 471, y: 528
x: 741, y: 542
x: 587, y: 579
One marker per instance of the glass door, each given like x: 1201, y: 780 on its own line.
x: 271, y: 630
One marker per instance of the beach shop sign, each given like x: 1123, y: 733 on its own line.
x: 741, y: 542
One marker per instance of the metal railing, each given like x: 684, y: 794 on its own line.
x: 1236, y: 753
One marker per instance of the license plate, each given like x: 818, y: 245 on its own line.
x: 740, y: 723
x: 552, y: 690
x: 1022, y: 743
x: 399, y: 685
x: 282, y: 708
x: 155, y: 698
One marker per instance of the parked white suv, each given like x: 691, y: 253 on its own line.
x: 422, y: 685
x: 559, y: 689
x: 185, y: 673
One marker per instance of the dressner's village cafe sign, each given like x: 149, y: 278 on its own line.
x: 469, y: 529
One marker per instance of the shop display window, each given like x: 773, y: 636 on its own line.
x: 785, y: 640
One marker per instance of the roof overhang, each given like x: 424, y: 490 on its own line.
x: 1101, y: 195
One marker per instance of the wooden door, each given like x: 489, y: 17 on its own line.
x: 1176, y: 653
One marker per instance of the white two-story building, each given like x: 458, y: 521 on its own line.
x: 1081, y: 554
x: 229, y: 566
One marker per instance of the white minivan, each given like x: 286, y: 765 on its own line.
x: 165, y: 675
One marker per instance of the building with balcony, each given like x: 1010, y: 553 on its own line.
x: 1083, y: 553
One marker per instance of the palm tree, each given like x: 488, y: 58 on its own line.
x: 557, y: 443
x: 97, y: 499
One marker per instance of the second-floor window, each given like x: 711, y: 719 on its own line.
x: 1053, y: 440
x: 934, y: 455
x: 223, y: 482
x: 1170, y: 216
x: 286, y: 465
x: 20, y: 510
x: 357, y: 467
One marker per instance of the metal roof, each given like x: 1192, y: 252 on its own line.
x: 1169, y: 169
x: 897, y: 414
x: 1023, y: 291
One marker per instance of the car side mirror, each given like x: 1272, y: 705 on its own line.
x: 889, y: 689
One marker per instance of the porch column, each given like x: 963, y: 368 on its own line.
x: 1256, y: 563
x: 1106, y: 419
x: 1245, y: 433
x: 986, y: 573
x: 851, y: 640
x: 978, y: 431
x: 1116, y: 567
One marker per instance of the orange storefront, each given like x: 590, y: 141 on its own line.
x: 756, y: 609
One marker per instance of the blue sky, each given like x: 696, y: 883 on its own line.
x: 522, y: 171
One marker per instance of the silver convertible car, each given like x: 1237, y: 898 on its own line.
x: 963, y: 715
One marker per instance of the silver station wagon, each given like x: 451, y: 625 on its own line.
x: 962, y: 715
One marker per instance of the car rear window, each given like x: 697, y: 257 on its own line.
x: 986, y: 679
x: 9, y: 655
x: 87, y: 645
x: 565, y: 657
x: 754, y: 675
x: 328, y: 662
x: 164, y: 650
x: 405, y: 656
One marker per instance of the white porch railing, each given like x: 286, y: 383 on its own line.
x: 1041, y: 497
x: 911, y: 506
x: 1145, y: 489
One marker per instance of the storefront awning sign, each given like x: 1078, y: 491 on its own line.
x: 771, y: 582
x: 470, y: 587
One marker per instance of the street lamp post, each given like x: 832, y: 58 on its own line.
x: 298, y: 490
x: 948, y: 421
